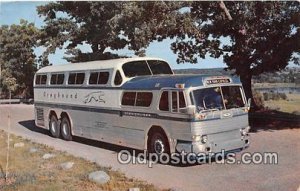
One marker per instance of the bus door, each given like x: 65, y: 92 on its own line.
x: 172, y: 108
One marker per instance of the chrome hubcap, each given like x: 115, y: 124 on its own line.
x: 159, y: 147
x: 65, y: 129
x: 53, y: 125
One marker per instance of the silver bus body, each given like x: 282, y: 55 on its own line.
x: 101, y: 111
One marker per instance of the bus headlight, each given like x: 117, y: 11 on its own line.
x: 204, y: 139
x: 198, y: 138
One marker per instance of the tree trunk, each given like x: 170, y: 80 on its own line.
x: 246, y: 82
x: 8, y: 140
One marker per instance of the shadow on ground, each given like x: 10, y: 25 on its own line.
x: 30, y: 124
x: 273, y: 120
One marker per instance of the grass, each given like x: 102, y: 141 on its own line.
x: 28, y: 171
x: 275, y: 85
x: 290, y: 105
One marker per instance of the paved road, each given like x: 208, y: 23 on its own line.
x: 284, y: 176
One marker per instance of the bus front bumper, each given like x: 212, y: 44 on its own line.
x: 213, y: 147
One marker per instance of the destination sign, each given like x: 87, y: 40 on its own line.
x: 218, y: 81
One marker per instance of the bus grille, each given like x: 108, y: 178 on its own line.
x: 39, y: 114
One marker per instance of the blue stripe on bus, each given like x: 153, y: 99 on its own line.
x: 110, y: 111
x: 122, y: 113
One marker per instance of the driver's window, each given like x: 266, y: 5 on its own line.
x: 182, y: 103
x: 174, y: 101
x: 178, y: 101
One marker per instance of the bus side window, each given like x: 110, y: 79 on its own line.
x: 76, y: 78
x: 118, y: 78
x: 143, y: 99
x: 164, y: 101
x: 72, y: 78
x: 53, y: 79
x: 129, y: 98
x: 60, y: 78
x: 38, y: 79
x: 103, y: 78
x: 93, y: 78
x: 174, y: 102
x: 80, y: 78
x: 182, y: 103
x: 43, y: 79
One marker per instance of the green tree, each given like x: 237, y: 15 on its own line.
x: 75, y: 23
x: 17, y: 57
x: 107, y: 26
x: 263, y: 36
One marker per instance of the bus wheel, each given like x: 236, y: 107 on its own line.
x: 54, y: 126
x: 65, y: 127
x: 159, y: 144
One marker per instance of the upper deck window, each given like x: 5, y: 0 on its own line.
x: 136, y: 68
x: 76, y: 78
x: 99, y: 78
x: 40, y: 79
x: 57, y: 79
x: 146, y: 67
x: 159, y: 67
x: 118, y: 78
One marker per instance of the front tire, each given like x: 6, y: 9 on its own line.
x: 158, y: 144
x: 54, y: 127
x: 65, y: 127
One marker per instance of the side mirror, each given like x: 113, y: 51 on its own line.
x: 191, y: 110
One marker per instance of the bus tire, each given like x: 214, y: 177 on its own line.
x: 65, y: 127
x: 54, y: 127
x: 158, y: 144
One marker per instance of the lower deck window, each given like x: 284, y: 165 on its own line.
x: 140, y: 99
x: 144, y: 99
x: 128, y: 98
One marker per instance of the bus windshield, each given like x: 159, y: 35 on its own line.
x: 218, y: 98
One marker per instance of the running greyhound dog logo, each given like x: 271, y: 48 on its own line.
x: 94, y: 97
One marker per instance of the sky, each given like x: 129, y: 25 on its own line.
x: 12, y: 12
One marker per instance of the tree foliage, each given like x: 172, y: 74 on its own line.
x: 17, y: 57
x: 263, y: 36
x: 260, y: 36
x: 107, y: 26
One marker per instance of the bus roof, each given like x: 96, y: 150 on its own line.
x: 163, y: 81
x: 92, y: 65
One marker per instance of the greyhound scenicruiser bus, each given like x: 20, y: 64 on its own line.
x: 140, y: 103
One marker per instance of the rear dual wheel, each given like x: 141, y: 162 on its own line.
x: 63, y: 129
x: 54, y: 126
